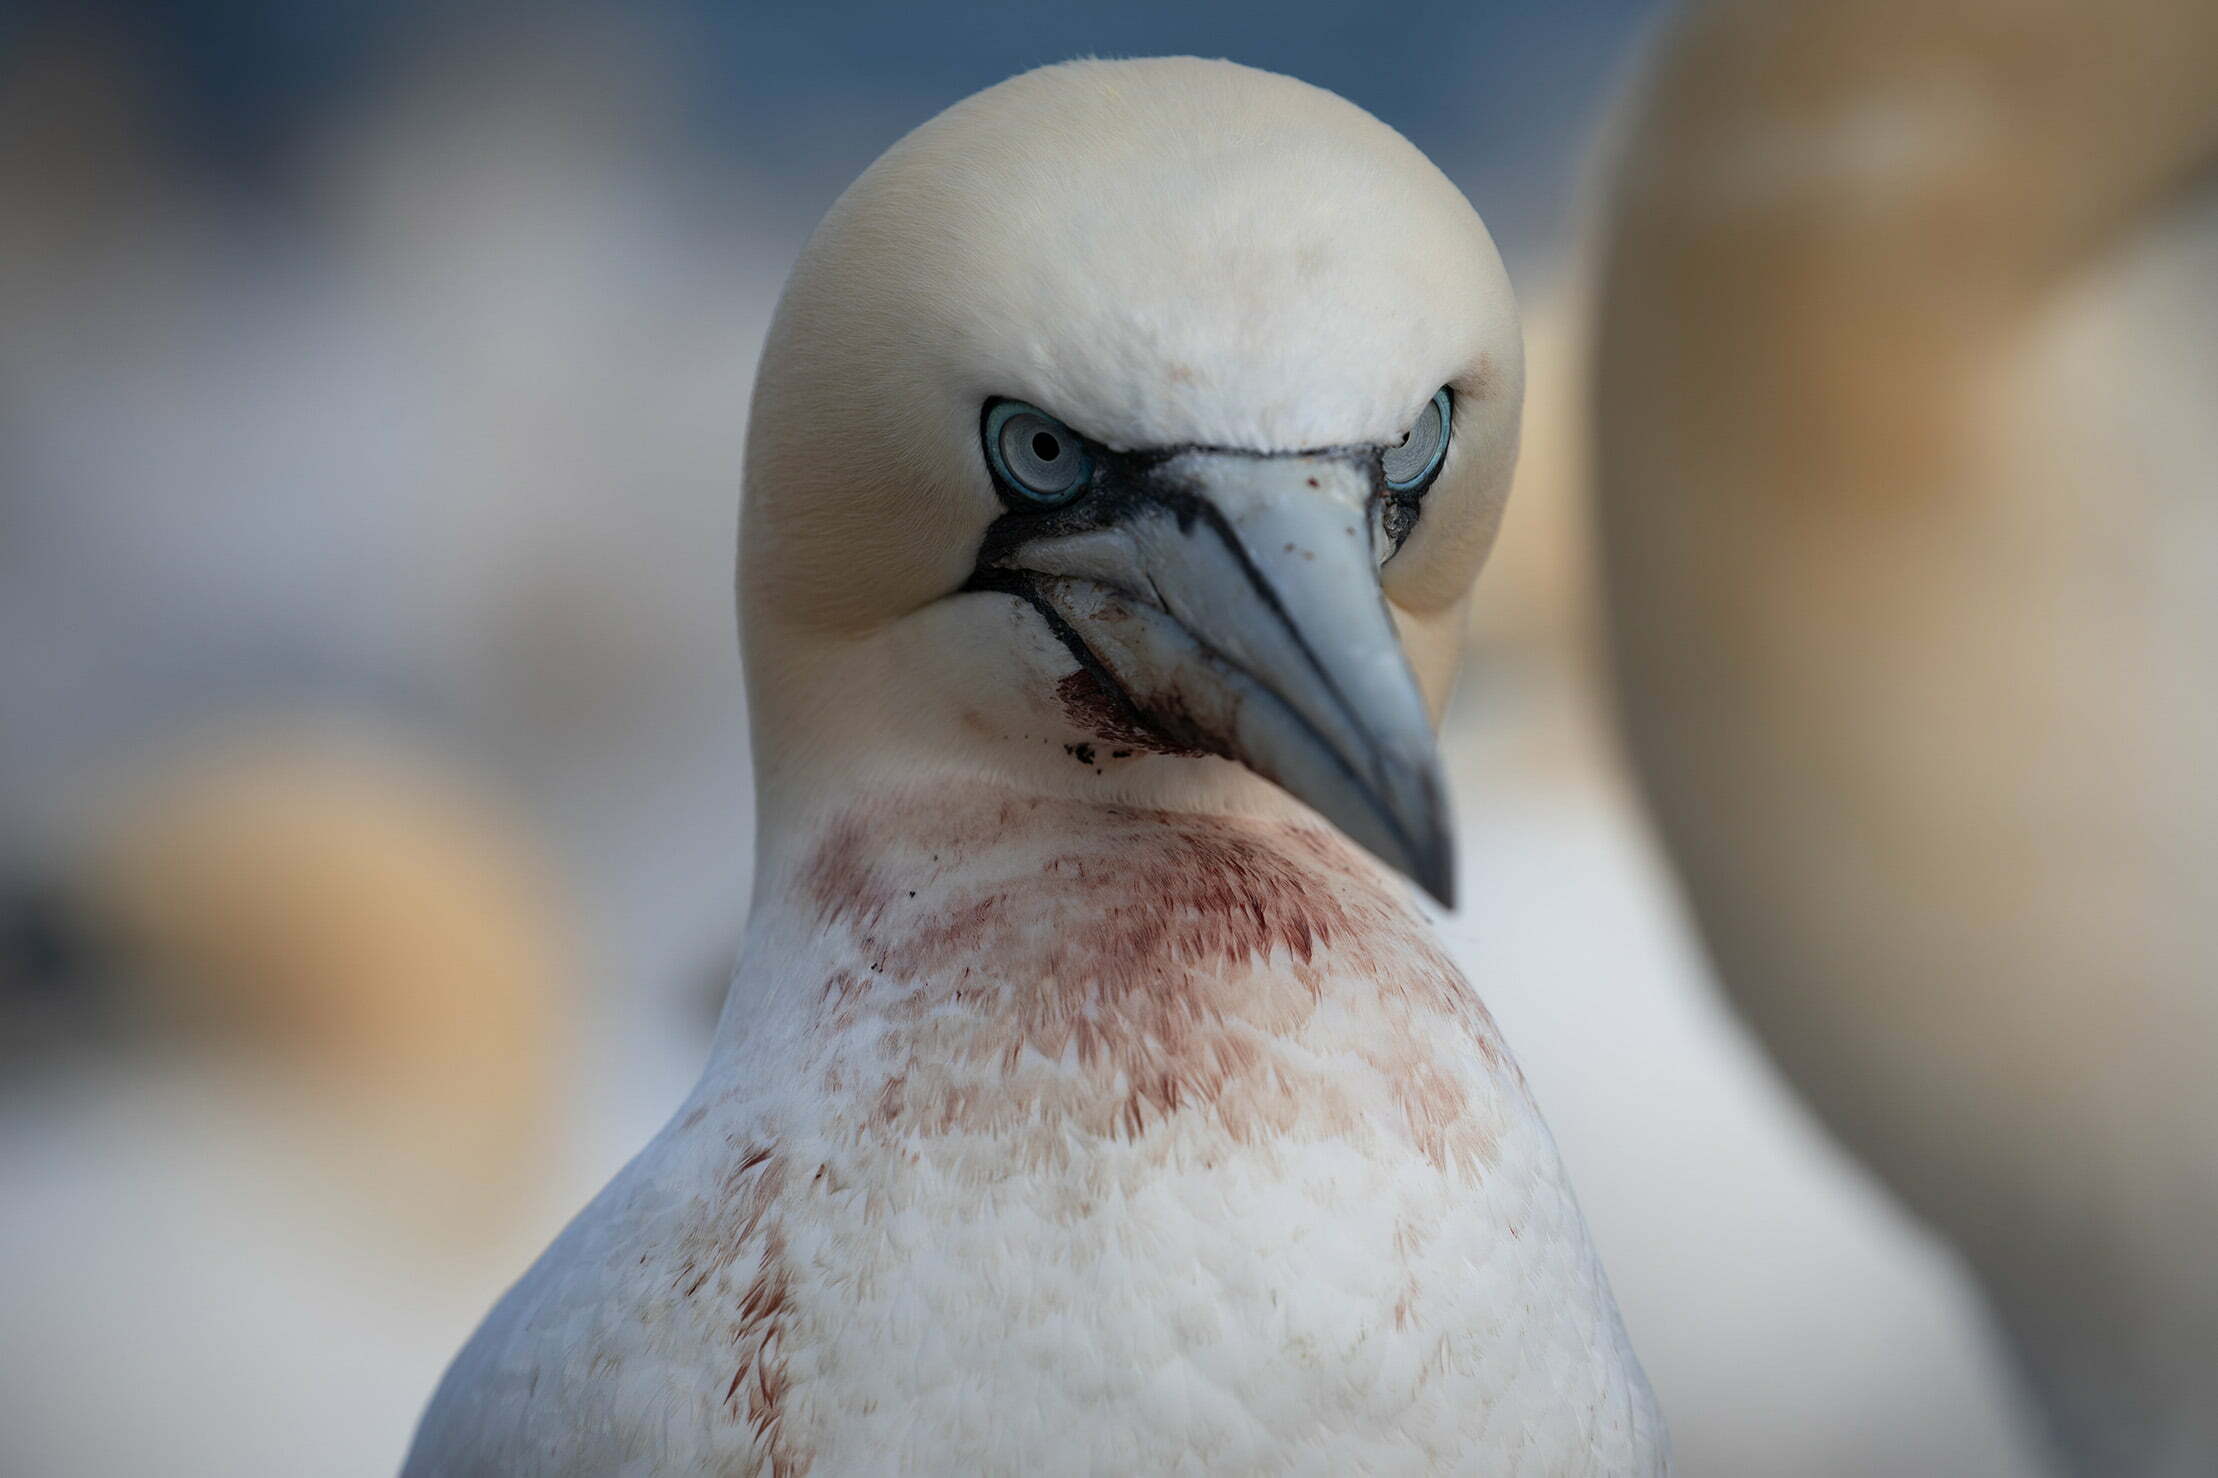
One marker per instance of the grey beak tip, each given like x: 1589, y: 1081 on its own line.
x: 1436, y: 873
x: 1432, y: 865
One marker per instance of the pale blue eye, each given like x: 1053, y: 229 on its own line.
x: 1034, y: 455
x: 1413, y: 461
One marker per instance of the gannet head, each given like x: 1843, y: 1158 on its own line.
x: 1126, y: 415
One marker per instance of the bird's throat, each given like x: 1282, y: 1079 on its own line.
x: 1001, y: 965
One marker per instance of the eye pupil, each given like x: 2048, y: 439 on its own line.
x: 1037, y: 457
x: 1411, y: 461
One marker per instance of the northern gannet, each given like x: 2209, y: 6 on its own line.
x: 1906, y: 370
x: 1082, y: 1102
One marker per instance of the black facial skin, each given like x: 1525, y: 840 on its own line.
x: 1121, y: 485
x: 1122, y: 480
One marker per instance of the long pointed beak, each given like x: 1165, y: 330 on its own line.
x: 1233, y: 600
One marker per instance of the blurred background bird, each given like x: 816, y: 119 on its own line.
x: 1907, y: 359
x: 371, y: 389
x: 336, y: 983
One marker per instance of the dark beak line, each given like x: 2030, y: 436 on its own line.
x: 1024, y: 586
x: 1268, y: 594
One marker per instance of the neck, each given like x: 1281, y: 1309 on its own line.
x: 892, y: 716
x: 975, y: 960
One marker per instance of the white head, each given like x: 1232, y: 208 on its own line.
x: 1080, y: 437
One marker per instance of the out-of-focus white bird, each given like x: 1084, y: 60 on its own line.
x: 1776, y: 1296
x: 336, y: 1119
x: 1081, y: 1102
x: 1907, y: 366
x: 347, y: 923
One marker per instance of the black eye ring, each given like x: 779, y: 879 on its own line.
x: 1037, y: 460
x: 1413, y: 462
